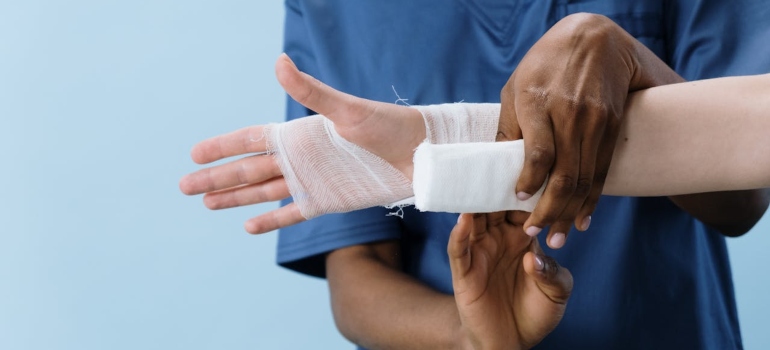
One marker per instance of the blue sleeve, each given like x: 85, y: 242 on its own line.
x: 714, y: 38
x: 296, y: 44
x: 303, y: 247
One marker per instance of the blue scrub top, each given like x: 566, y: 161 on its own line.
x: 647, y: 275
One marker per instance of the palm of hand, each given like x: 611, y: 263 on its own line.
x: 389, y: 131
x: 499, y: 302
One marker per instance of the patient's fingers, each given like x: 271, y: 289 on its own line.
x: 243, y: 171
x: 268, y: 191
x: 273, y: 220
x: 246, y: 140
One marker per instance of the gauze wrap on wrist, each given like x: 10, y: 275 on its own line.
x: 460, y: 122
x: 460, y: 169
x: 326, y: 173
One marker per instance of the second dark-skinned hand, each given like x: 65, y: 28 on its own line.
x: 509, y: 294
x: 566, y: 99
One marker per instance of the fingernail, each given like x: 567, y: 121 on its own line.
x: 459, y: 217
x: 289, y: 60
x: 522, y: 196
x: 586, y: 223
x: 539, y: 264
x: 557, y: 240
x: 532, y: 231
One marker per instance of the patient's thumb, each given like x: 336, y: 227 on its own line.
x: 311, y: 92
x: 553, y: 280
x: 290, y: 78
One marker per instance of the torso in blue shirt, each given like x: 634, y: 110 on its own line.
x: 647, y: 275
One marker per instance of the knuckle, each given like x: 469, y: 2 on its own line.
x: 574, y: 103
x: 581, y: 103
x: 206, y: 179
x: 598, y: 111
x: 241, y: 173
x: 583, y: 19
x: 583, y: 186
x: 563, y: 185
x: 309, y: 95
x: 587, y: 25
x: 541, y: 157
x: 261, y: 195
x: 537, y: 94
x: 600, y: 108
x: 273, y: 221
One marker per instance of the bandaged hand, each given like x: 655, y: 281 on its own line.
x: 355, y: 154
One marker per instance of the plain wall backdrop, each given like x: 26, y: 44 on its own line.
x: 100, y: 102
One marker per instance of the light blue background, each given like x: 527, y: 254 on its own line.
x: 100, y: 102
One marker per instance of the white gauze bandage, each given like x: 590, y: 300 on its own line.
x: 460, y: 169
x: 327, y: 174
x: 460, y: 122
x: 470, y: 177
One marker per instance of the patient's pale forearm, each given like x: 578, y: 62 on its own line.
x: 702, y: 136
x: 705, y: 136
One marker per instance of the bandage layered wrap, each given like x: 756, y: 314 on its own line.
x: 327, y: 174
x: 460, y: 122
x: 457, y: 169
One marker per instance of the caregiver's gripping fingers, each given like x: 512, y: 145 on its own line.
x: 565, y: 173
x: 284, y: 216
x: 247, y: 140
x: 603, y: 162
x: 557, y: 236
x: 560, y: 229
x: 539, y: 147
x: 243, y: 171
x: 589, y: 166
x: 508, y: 124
